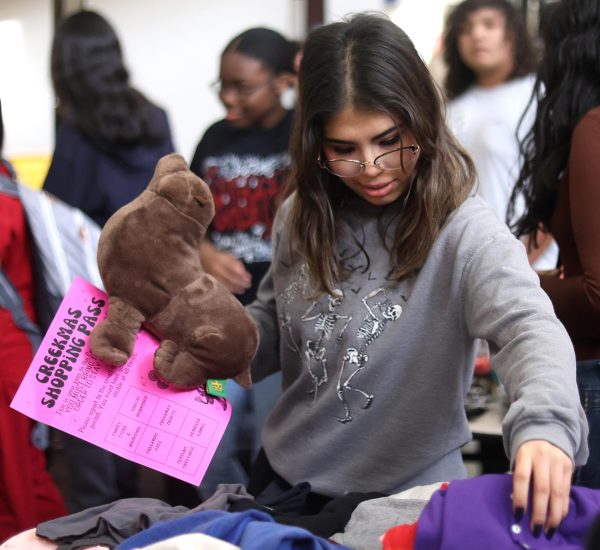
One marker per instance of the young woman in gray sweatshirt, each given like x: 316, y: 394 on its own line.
x: 384, y: 273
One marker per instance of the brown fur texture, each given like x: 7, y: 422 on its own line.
x: 148, y: 257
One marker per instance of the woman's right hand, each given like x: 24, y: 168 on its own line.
x: 224, y: 267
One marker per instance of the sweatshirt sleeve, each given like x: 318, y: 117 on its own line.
x: 534, y: 357
x: 266, y: 360
x: 264, y: 308
x: 576, y: 298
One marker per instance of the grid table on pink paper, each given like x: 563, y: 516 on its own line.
x: 161, y: 430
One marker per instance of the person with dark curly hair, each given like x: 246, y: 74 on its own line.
x: 560, y: 184
x: 489, y: 82
x: 473, y: 59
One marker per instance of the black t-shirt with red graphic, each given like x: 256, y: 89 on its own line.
x: 246, y: 170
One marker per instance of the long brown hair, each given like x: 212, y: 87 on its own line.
x: 92, y: 83
x: 369, y: 63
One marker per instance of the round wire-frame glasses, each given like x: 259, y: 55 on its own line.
x: 348, y: 168
x: 239, y: 89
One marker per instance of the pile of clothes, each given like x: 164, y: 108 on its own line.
x: 468, y: 514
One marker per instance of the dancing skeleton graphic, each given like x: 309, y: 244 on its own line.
x: 297, y: 287
x: 355, y: 360
x: 315, y: 350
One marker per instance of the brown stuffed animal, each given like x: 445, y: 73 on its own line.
x: 148, y: 257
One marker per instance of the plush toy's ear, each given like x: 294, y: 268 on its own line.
x: 168, y: 164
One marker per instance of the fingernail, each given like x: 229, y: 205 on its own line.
x: 537, y: 530
x: 519, y: 513
x: 550, y: 532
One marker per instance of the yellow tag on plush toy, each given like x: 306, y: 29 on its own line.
x: 216, y: 387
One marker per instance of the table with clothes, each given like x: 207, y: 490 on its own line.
x: 464, y: 514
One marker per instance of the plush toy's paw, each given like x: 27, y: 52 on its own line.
x: 111, y: 343
x: 176, y: 367
x: 166, y: 352
x: 218, y: 355
x: 244, y: 378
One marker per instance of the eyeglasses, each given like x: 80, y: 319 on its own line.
x: 239, y: 89
x: 392, y: 160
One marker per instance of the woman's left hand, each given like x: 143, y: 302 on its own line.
x: 549, y: 469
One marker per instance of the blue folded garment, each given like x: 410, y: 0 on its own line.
x: 249, y: 530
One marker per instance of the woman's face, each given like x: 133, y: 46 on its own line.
x: 249, y: 92
x: 353, y: 134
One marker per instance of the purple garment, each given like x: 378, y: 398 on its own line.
x: 477, y: 513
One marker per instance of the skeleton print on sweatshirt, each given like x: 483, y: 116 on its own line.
x: 338, y: 351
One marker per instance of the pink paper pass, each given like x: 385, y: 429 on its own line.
x: 125, y: 410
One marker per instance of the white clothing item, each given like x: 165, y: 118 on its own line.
x: 486, y: 122
x: 420, y: 492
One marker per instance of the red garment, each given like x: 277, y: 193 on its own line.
x: 28, y: 495
x: 401, y: 537
x: 575, y: 225
x: 4, y: 170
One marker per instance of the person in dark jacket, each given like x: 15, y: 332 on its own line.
x: 109, y: 141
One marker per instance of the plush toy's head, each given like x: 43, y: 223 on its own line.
x: 183, y: 189
x: 149, y: 260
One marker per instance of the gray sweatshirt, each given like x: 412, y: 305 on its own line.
x: 374, y: 378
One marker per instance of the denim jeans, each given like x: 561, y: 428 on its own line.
x: 588, y: 382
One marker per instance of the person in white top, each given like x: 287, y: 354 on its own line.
x: 489, y: 84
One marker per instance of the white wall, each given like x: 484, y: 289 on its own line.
x: 27, y: 99
x: 171, y: 49
x: 336, y: 9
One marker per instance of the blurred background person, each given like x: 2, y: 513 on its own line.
x: 560, y: 183
x: 110, y: 136
x: 28, y: 495
x: 244, y: 159
x: 109, y: 140
x: 489, y: 82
